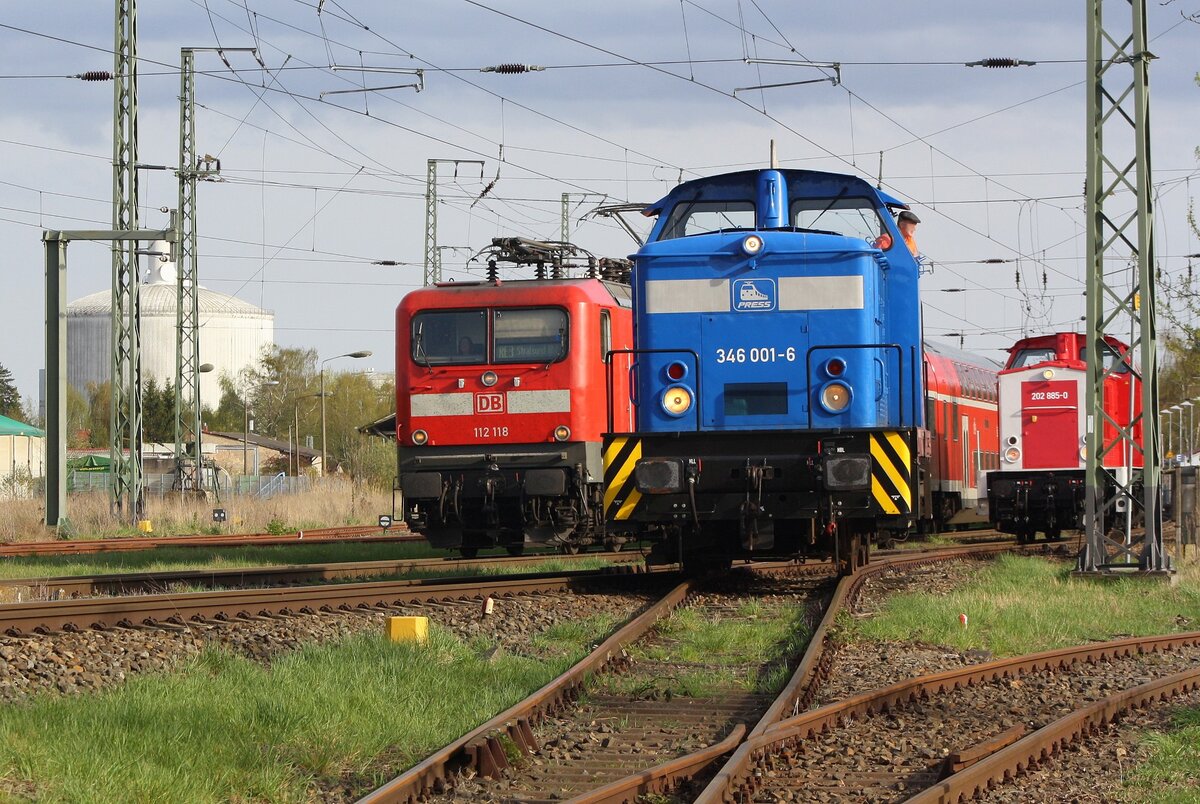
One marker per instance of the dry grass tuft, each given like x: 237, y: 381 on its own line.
x: 330, y: 503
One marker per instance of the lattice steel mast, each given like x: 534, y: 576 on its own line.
x: 1120, y: 238
x: 126, y: 378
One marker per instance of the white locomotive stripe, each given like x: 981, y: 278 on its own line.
x: 442, y: 404
x: 820, y: 293
x: 687, y: 296
x: 963, y: 402
x: 539, y: 401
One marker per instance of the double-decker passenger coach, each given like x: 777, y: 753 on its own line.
x: 777, y: 371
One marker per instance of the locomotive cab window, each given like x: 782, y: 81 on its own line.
x: 449, y: 337
x: 851, y: 217
x: 700, y: 217
x: 1031, y: 357
x: 1111, y: 359
x: 534, y: 335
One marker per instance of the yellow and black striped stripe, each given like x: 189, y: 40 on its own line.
x: 891, y: 472
x: 620, y: 489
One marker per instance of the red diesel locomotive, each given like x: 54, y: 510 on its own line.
x: 960, y: 441
x: 1040, y: 484
x: 500, y: 403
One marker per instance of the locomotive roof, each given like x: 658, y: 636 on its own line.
x: 1052, y: 339
x: 618, y: 291
x: 741, y: 185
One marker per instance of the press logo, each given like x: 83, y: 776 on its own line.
x: 753, y: 295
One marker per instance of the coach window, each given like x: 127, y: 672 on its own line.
x: 449, y: 337
x: 532, y: 335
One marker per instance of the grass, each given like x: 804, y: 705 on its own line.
x: 224, y: 728
x: 749, y: 654
x: 1171, y: 775
x: 166, y: 559
x: 331, y: 502
x: 1018, y: 605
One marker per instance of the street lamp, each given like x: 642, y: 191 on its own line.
x: 246, y: 421
x: 359, y: 354
x: 1167, y: 412
x: 296, y: 412
x: 1179, y: 408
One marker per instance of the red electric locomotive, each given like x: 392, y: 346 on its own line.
x: 1040, y: 485
x: 960, y: 441
x: 500, y: 402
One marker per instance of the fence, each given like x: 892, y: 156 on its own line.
x: 162, y: 485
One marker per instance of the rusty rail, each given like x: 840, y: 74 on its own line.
x: 61, y: 586
x: 737, y: 777
x: 1049, y: 740
x: 180, y: 609
x: 483, y: 748
x: 801, y: 688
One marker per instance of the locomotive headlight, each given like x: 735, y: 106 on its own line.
x: 1012, y: 454
x: 752, y: 245
x: 419, y: 437
x: 677, y: 400
x: 1048, y: 374
x: 489, y: 378
x: 562, y: 433
x: 835, y: 397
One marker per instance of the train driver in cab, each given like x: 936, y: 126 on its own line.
x: 907, y: 223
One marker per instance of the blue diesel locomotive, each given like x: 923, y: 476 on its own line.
x: 777, y: 372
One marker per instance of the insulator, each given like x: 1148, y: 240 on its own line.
x: 512, y: 69
x: 997, y: 64
x: 493, y: 271
x: 95, y: 75
x: 540, y: 270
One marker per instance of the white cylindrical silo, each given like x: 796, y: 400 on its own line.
x: 233, y: 333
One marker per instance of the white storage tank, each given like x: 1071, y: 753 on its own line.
x: 232, y: 333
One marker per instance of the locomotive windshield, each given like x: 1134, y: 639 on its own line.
x: 850, y: 217
x: 505, y: 335
x: 699, y: 217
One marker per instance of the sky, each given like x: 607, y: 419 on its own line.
x: 317, y: 189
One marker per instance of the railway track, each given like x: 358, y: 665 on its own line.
x: 179, y: 610
x: 352, y: 533
x: 504, y: 748
x: 74, y: 586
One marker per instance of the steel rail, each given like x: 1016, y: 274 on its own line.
x: 811, y: 670
x: 738, y: 776
x: 180, y: 609
x: 341, y: 534
x: 484, y: 749
x: 61, y: 586
x: 1049, y: 740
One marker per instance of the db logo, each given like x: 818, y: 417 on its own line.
x: 489, y: 403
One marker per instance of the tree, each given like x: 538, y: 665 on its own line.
x: 10, y: 398
x: 158, y: 412
x: 99, y: 413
